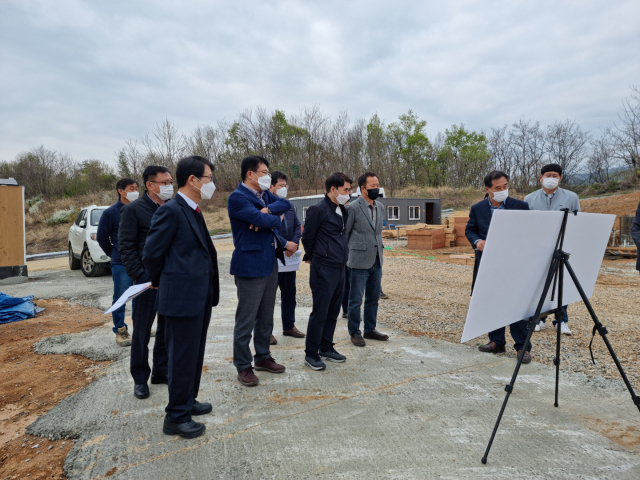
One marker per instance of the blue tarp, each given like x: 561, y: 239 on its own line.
x: 13, y: 309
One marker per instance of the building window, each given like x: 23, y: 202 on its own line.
x: 393, y: 213
x: 414, y: 213
x: 304, y: 213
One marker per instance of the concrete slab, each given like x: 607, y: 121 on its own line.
x: 408, y: 408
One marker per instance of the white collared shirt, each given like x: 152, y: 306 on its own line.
x: 190, y: 202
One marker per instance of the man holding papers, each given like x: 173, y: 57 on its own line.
x: 289, y: 233
x: 183, y: 265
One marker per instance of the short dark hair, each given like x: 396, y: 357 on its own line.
x: 151, y: 171
x: 277, y: 175
x: 552, y: 167
x: 124, y: 183
x: 495, y: 175
x: 251, y: 164
x: 336, y: 179
x: 362, y: 181
x: 193, y: 165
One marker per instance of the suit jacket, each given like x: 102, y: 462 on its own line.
x: 290, y: 230
x: 256, y: 251
x: 635, y: 234
x: 365, y: 238
x: 181, y: 260
x: 480, y: 218
x: 135, y: 220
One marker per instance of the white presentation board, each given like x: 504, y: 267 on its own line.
x: 516, y: 259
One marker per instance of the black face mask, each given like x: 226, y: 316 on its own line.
x: 373, y: 193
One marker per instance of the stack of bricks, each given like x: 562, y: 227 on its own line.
x: 459, y: 223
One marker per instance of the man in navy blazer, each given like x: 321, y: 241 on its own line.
x: 497, y: 187
x: 289, y: 232
x: 183, y: 265
x: 255, y: 214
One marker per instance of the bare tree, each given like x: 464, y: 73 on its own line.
x: 626, y: 133
x: 567, y: 146
x: 601, y: 159
x: 165, y: 146
x: 527, y: 147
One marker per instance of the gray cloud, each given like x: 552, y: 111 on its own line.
x: 81, y: 77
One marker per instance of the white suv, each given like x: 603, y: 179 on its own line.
x: 84, y: 251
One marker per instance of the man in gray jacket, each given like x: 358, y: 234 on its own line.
x: 364, y: 231
x: 553, y: 198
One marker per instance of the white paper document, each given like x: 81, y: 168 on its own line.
x: 291, y: 264
x: 131, y: 292
x: 516, y: 259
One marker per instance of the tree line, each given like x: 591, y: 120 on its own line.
x: 310, y: 144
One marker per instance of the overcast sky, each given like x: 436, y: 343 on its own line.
x: 80, y: 77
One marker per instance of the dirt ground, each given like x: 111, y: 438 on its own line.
x: 32, y: 384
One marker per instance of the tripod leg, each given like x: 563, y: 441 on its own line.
x: 558, y: 317
x: 603, y: 333
x: 509, y: 388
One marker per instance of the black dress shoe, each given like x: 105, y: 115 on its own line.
x: 376, y: 335
x: 158, y: 379
x: 188, y: 429
x: 492, y: 347
x: 141, y: 390
x: 201, y: 408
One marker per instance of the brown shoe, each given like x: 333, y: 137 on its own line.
x: 526, y: 358
x: 376, y: 335
x: 357, y: 340
x: 491, y: 347
x: 294, y: 332
x: 248, y: 378
x: 269, y: 365
x: 122, y: 337
x: 273, y: 341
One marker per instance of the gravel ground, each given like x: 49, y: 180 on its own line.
x: 431, y: 298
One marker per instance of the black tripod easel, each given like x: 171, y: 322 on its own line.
x: 559, y: 262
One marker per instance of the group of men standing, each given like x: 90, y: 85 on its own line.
x: 549, y: 198
x: 167, y: 244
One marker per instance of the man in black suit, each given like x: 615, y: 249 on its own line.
x: 289, y: 233
x: 135, y: 220
x: 496, y: 185
x: 183, y: 265
x: 327, y: 249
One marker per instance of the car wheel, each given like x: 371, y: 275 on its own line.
x: 89, y: 267
x: 74, y: 263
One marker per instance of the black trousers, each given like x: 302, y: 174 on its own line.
x: 186, y: 339
x: 518, y: 329
x: 287, y: 284
x: 327, y: 288
x: 144, y: 313
x: 347, y: 289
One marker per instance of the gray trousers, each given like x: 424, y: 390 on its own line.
x: 256, y: 302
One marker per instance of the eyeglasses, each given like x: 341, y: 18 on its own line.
x: 210, y: 177
x: 264, y: 172
x: 165, y: 183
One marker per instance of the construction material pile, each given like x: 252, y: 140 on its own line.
x: 425, y: 237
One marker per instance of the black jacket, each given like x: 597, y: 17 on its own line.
x: 324, y: 237
x: 635, y: 234
x: 480, y: 218
x: 135, y: 220
x: 107, y: 235
x: 181, y: 260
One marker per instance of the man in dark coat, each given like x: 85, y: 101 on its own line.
x: 107, y: 237
x: 289, y: 233
x: 497, y: 187
x: 183, y: 266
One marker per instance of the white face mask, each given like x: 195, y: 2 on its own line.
x: 206, y: 192
x: 500, y: 196
x: 166, y: 192
x: 131, y: 196
x: 264, y: 182
x: 282, y: 192
x: 550, y: 183
x: 342, y: 199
